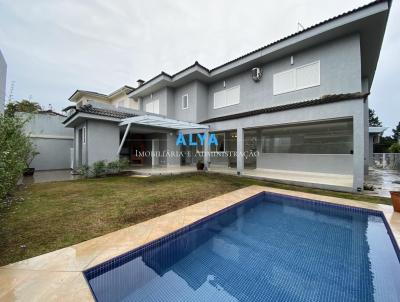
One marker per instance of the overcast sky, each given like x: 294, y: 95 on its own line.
x: 54, y: 47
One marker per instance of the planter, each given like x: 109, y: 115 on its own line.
x: 29, y: 171
x: 200, y: 166
x: 395, y: 195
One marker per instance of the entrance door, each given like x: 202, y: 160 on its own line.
x: 137, y: 151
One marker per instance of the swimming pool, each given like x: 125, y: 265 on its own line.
x: 269, y: 247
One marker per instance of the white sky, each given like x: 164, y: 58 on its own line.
x: 54, y: 47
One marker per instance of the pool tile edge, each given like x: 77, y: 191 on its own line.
x: 59, y: 273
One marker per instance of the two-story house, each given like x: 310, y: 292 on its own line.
x: 300, y: 104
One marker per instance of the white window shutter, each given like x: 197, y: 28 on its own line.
x: 156, y: 108
x: 307, y: 76
x: 297, y: 78
x: 284, y: 81
x: 219, y: 99
x: 233, y: 96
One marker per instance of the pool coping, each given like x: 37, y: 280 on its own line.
x: 59, y: 274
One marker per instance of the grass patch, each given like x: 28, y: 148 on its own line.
x: 50, y: 216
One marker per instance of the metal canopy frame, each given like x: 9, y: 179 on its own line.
x: 158, y: 122
x: 161, y: 122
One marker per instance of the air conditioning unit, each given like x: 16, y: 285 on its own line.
x: 256, y: 74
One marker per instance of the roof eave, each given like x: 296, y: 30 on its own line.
x: 70, y: 121
x: 315, y: 34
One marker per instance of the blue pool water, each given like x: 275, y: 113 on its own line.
x: 268, y: 248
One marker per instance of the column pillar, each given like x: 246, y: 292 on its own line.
x: 240, y: 150
x: 172, y: 148
x: 358, y: 149
x: 206, y: 149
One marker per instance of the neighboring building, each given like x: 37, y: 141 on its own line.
x: 375, y: 134
x: 52, y: 140
x: 118, y: 99
x: 3, y: 81
x: 302, y: 102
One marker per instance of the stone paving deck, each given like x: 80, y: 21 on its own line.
x: 57, y: 276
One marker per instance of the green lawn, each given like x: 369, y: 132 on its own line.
x: 50, y: 216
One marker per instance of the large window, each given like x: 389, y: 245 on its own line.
x: 334, y: 137
x: 297, y: 78
x: 221, y: 143
x: 153, y: 106
x: 227, y: 97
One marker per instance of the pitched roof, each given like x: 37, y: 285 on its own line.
x: 305, y: 30
x: 128, y: 89
x: 209, y: 71
x: 327, y: 99
x: 89, y: 109
x: 377, y: 129
x: 50, y: 112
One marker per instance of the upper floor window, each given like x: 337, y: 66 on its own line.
x: 153, y: 106
x: 227, y: 97
x: 305, y: 76
x: 185, y: 101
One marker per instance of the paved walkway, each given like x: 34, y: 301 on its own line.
x: 383, y: 181
x: 49, y: 176
x: 57, y: 276
x: 338, y: 182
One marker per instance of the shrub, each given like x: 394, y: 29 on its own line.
x: 15, y: 151
x: 117, y: 166
x: 394, y: 148
x: 99, y: 168
x: 84, y: 170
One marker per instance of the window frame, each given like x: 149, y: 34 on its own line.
x: 187, y: 101
x: 295, y: 69
x: 152, y: 102
x: 225, y: 93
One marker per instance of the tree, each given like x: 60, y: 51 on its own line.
x: 15, y: 150
x: 374, y: 119
x: 395, y: 148
x: 396, y: 132
x: 22, y: 106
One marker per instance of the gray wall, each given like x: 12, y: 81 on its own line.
x: 320, y: 163
x: 189, y: 114
x: 102, y: 141
x: 166, y: 101
x: 46, y: 124
x: 340, y: 72
x: 54, y: 154
x: 52, y: 140
x: 340, y: 69
x: 345, y: 109
x: 3, y: 78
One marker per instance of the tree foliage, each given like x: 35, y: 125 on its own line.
x: 394, y: 148
x: 22, y: 106
x: 374, y: 119
x: 15, y: 151
x: 396, y: 132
